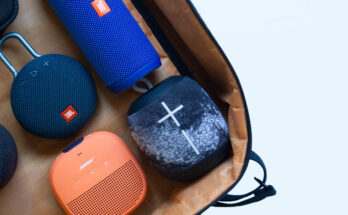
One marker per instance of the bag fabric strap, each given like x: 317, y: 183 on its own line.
x: 261, y: 192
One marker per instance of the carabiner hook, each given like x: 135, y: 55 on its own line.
x: 140, y: 89
x: 25, y: 44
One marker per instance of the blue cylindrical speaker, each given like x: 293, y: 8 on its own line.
x: 110, y: 38
x: 180, y: 129
x: 8, y: 156
x: 53, y: 95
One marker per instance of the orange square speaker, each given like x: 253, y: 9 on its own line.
x: 98, y: 174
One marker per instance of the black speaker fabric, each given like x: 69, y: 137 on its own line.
x: 180, y: 129
x: 8, y: 12
x: 8, y: 156
x: 53, y: 96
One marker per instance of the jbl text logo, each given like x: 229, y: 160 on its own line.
x: 101, y: 7
x: 69, y: 113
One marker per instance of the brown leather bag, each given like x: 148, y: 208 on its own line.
x: 186, y: 47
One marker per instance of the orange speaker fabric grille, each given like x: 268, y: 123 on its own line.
x: 115, y: 194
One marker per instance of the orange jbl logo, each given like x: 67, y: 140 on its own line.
x: 101, y: 7
x: 69, y: 113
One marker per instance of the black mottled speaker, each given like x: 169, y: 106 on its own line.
x: 180, y: 129
x: 8, y: 156
x: 53, y: 95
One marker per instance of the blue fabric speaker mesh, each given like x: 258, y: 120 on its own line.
x: 37, y: 102
x: 8, y: 156
x: 114, y: 44
x: 8, y: 12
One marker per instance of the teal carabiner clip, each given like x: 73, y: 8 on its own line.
x: 25, y: 44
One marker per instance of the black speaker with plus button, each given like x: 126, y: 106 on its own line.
x: 180, y: 129
x: 53, y: 95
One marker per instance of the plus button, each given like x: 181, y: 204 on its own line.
x: 171, y: 115
x: 46, y: 64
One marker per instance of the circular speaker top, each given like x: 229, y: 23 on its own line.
x: 53, y: 96
x: 8, y: 156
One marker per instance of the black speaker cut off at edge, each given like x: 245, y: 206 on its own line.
x: 8, y: 156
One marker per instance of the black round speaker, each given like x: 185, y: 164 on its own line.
x: 53, y: 95
x: 8, y: 156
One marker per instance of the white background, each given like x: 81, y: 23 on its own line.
x: 292, y: 60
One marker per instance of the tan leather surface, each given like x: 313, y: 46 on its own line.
x: 29, y: 191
